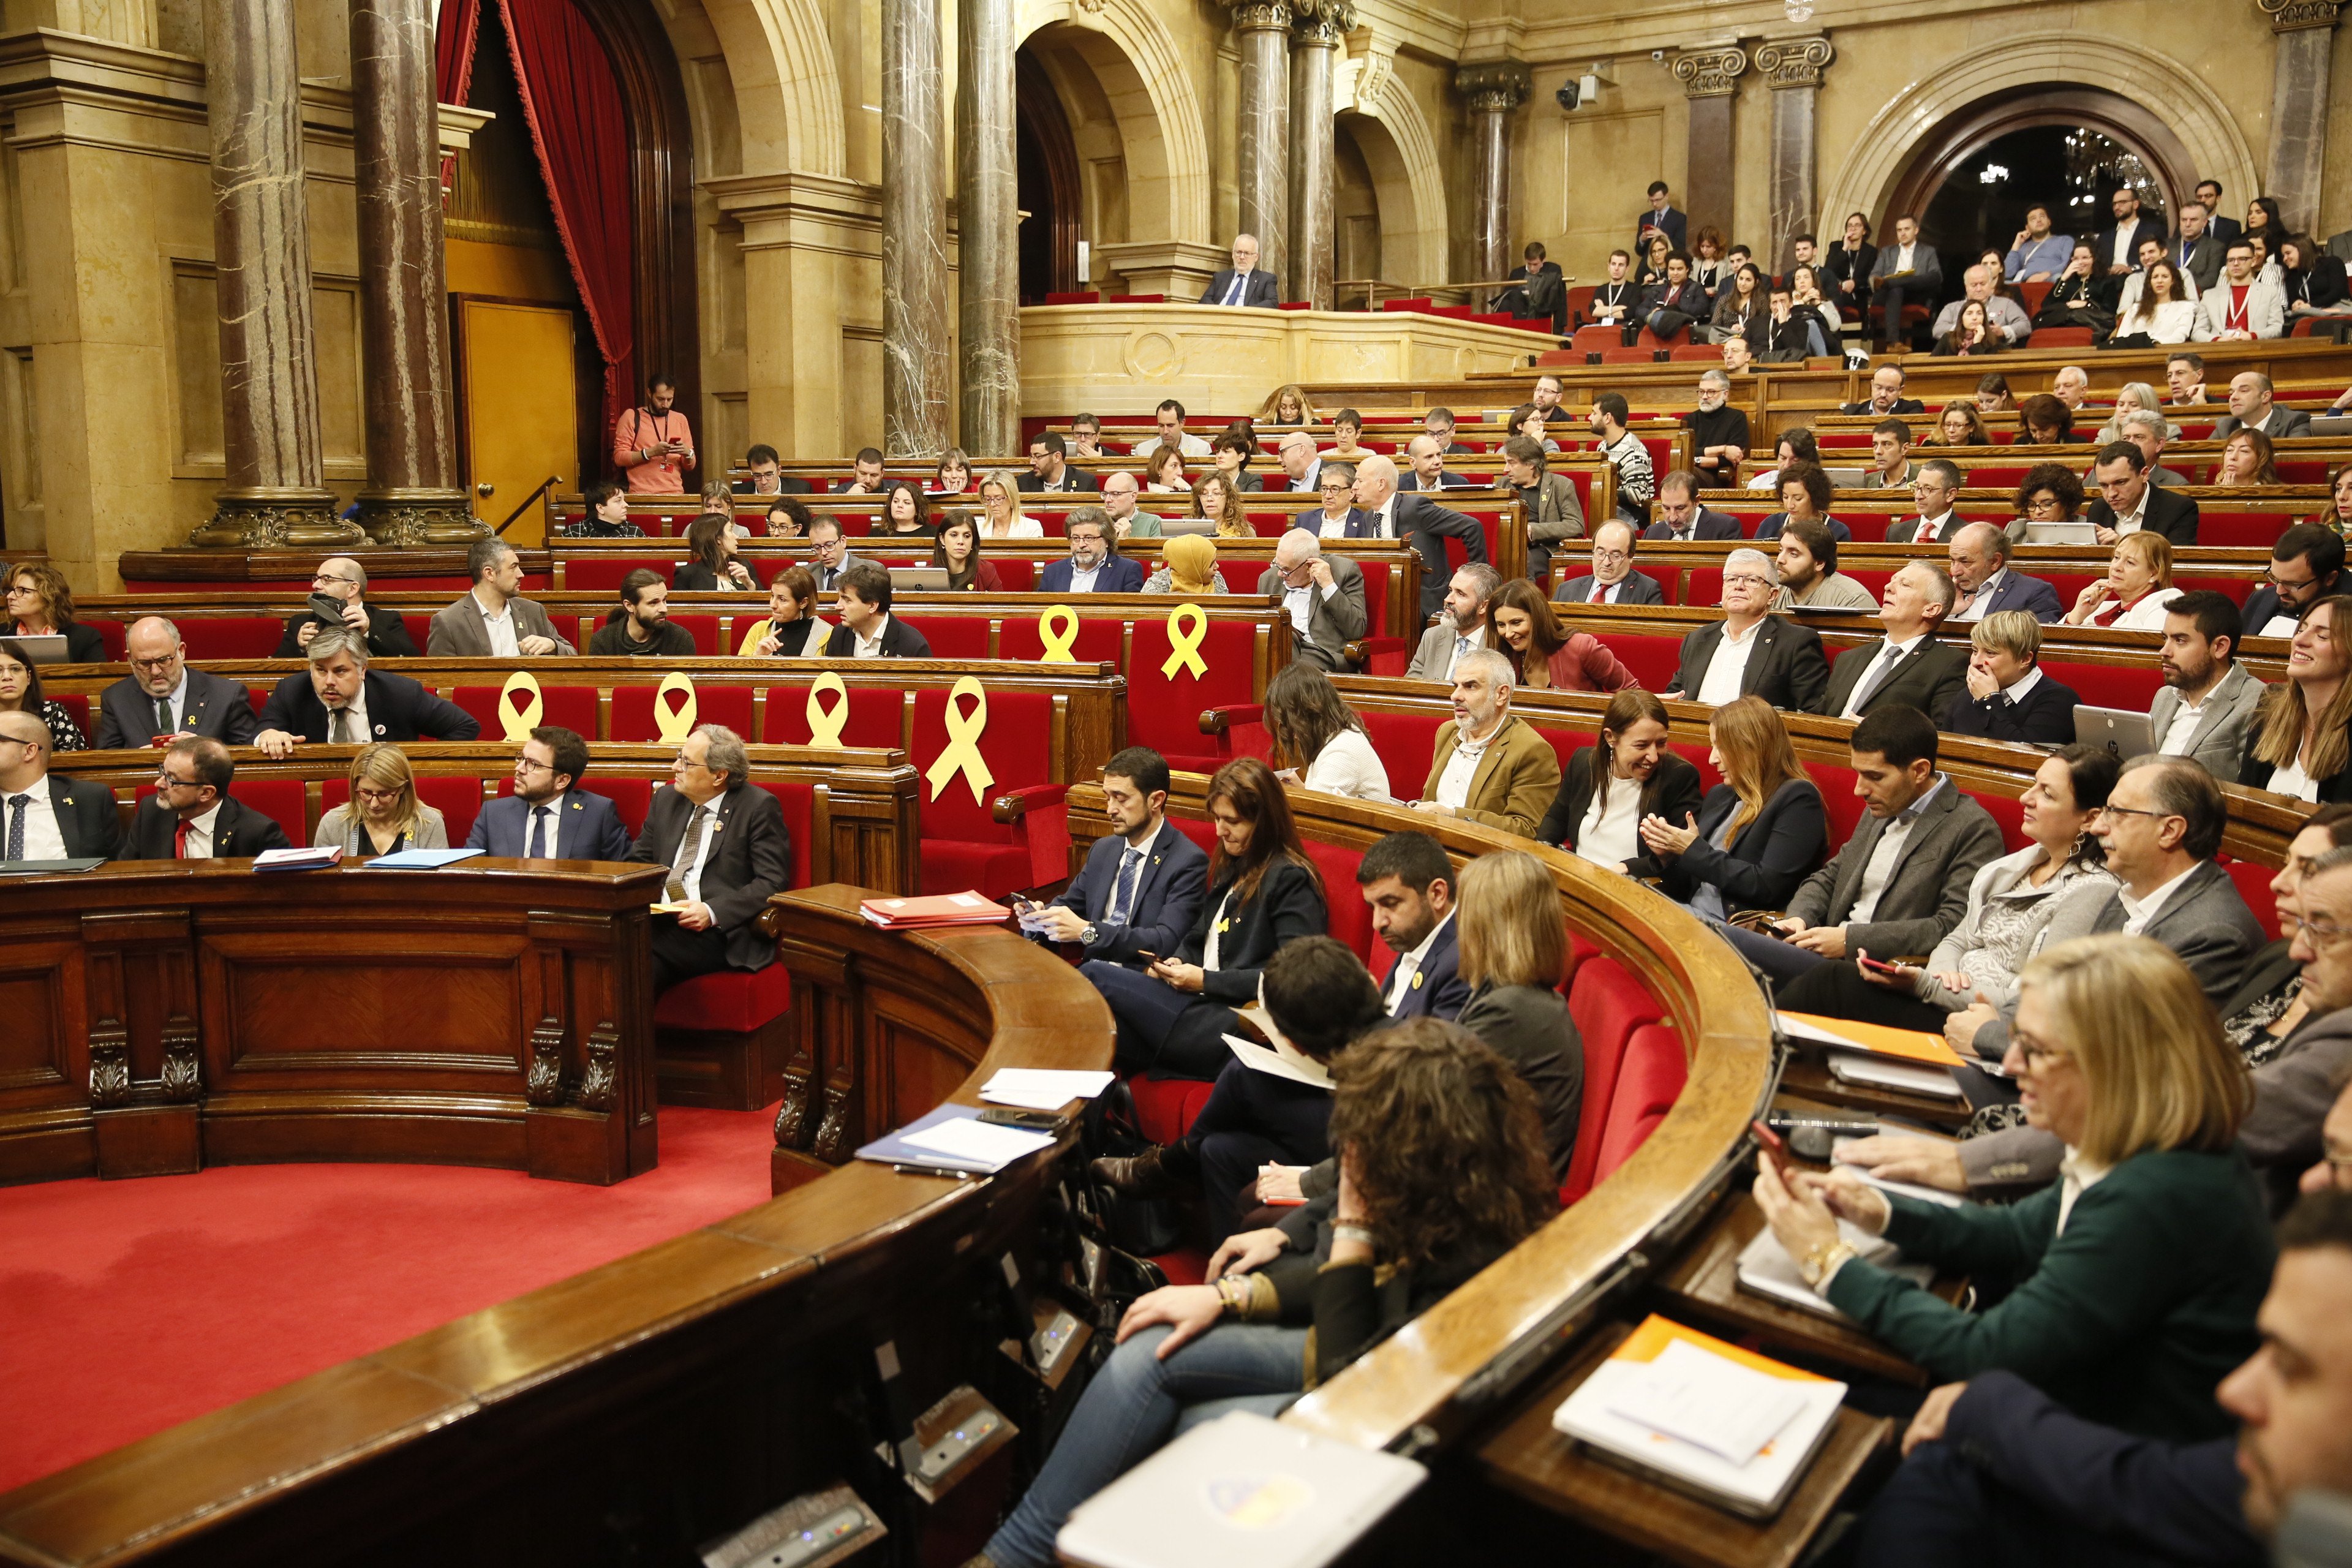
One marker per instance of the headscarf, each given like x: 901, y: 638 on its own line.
x: 1192, y: 562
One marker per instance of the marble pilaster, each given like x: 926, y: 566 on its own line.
x: 1261, y: 34
x: 1493, y: 90
x: 276, y: 493
x: 412, y: 495
x: 1793, y: 66
x: 917, y: 370
x: 1321, y: 26
x: 988, y: 216
x: 2299, y: 90
x: 1710, y: 76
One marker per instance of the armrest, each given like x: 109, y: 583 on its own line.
x: 1361, y: 651
x: 1014, y: 805
x: 1222, y: 721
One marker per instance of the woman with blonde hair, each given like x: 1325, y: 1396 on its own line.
x: 2133, y: 397
x: 1219, y: 499
x: 2247, y: 458
x: 1758, y: 834
x: 2336, y: 515
x: 1313, y: 728
x: 1513, y: 936
x: 1000, y: 500
x: 1190, y: 566
x: 383, y: 814
x: 2299, y: 747
x: 2137, y: 1275
x: 2132, y: 595
x: 1288, y: 405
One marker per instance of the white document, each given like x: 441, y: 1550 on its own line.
x: 1755, y: 1489
x: 981, y: 1145
x: 1914, y: 1079
x: 1766, y: 1268
x: 1282, y: 1062
x: 1701, y: 1398
x: 1804, y: 1029
x: 1041, y: 1088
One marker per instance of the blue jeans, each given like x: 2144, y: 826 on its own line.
x: 1135, y: 1405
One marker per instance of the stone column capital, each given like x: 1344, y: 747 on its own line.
x: 1494, y: 87
x: 1322, y: 24
x: 1261, y: 16
x: 1711, y: 70
x: 1794, y: 62
x: 2293, y: 16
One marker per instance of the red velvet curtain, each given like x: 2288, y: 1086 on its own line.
x: 571, y: 107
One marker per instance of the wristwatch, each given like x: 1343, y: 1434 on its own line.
x: 1086, y: 934
x: 1821, y: 1262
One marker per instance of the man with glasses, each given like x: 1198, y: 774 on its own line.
x: 1127, y: 520
x: 1613, y: 580
x: 1750, y: 653
x: 827, y: 558
x: 1935, y: 484
x: 1681, y: 518
x: 45, y: 815
x: 728, y: 851
x: 549, y: 817
x: 339, y: 701
x: 345, y: 579
x: 1339, y: 517
x: 2306, y: 566
x: 1092, y: 566
x: 1301, y: 465
x: 1324, y: 594
x: 2127, y: 502
x: 191, y: 817
x: 163, y: 697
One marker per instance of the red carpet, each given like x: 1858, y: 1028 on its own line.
x: 127, y: 1307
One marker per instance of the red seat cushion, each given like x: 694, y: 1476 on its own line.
x: 631, y: 798
x: 733, y: 999
x: 2108, y: 685
x: 1608, y: 1004
x: 603, y: 573
x: 954, y: 636
x: 633, y: 718
x: 278, y: 798
x: 1349, y: 918
x: 1655, y: 659
x: 875, y: 714
x: 2254, y: 887
x: 77, y: 709
x: 1164, y: 1107
x: 2008, y: 813
x: 1649, y: 1080
x: 1407, y: 744
x: 964, y: 846
x: 572, y: 707
x: 799, y: 803
x: 1096, y: 642
x: 1841, y: 806
x: 231, y: 636
x: 2240, y: 528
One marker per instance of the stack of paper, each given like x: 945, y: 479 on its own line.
x: 1041, y: 1088
x: 1908, y: 1189
x: 950, y: 909
x: 953, y: 1142
x: 1907, y: 1059
x: 1282, y: 1059
x: 316, y: 859
x: 1766, y: 1268
x: 420, y: 860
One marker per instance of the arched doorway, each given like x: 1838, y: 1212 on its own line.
x: 1047, y: 172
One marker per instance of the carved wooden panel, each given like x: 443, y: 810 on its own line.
x: 41, y: 1000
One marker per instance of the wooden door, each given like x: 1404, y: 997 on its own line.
x: 521, y: 406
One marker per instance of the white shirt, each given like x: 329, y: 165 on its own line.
x: 1192, y: 445
x: 1454, y: 783
x: 2076, y: 1176
x: 1903, y: 258
x: 2184, y: 724
x: 357, y: 709
x: 500, y: 627
x: 1886, y: 854
x: 1974, y: 610
x: 200, y: 834
x: 1082, y: 579
x: 2131, y: 524
x: 1302, y: 606
x: 870, y: 648
x: 1606, y: 592
x: 1408, y: 964
x: 2147, y: 616
x: 1464, y: 642
x: 692, y: 879
x: 1334, y: 527
x: 2138, y: 912
x: 2292, y: 782
x: 2123, y: 256
x: 43, y: 840
x: 1385, y: 528
x: 2016, y: 692
x: 1890, y: 654
x: 1347, y: 765
x: 1931, y: 529
x: 1608, y: 839
x: 1209, y: 948
x: 1728, y: 668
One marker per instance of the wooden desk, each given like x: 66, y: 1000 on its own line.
x: 165, y: 1016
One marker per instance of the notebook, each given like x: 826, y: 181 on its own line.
x: 954, y: 1141
x: 1873, y: 1040
x: 51, y: 867
x: 1766, y: 1269
x: 942, y: 910
x: 420, y: 860
x: 316, y: 859
x: 1880, y: 1073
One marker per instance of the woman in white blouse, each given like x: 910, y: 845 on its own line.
x: 1310, y: 726
x: 2138, y: 584
x: 2299, y: 746
x: 1000, y: 499
x: 2166, y: 312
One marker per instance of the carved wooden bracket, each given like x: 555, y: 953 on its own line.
x: 543, y: 1076
x: 109, y: 1063
x: 600, y: 1088
x: 184, y: 1076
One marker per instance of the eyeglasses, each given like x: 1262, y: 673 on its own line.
x: 16, y: 588
x: 163, y: 778
x: 2038, y: 1056
x: 2325, y: 932
x: 1611, y: 557
x: 1744, y: 579
x: 683, y: 764
x: 166, y: 662
x: 2039, y: 504
x: 376, y: 795
x: 2281, y: 584
x: 526, y: 765
x: 335, y: 577
x: 2114, y: 810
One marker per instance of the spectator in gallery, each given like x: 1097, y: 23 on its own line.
x: 2164, y: 312
x: 2036, y: 254
x: 1756, y: 834
x: 1536, y: 289
x: 1674, y: 304
x: 2313, y: 281
x: 2078, y: 299
x: 1661, y: 220
x: 652, y: 444
x: 2197, y: 250
x: 1850, y: 263
x: 1906, y: 271
x: 1244, y: 282
x: 2004, y: 325
x: 1740, y: 307
x: 2244, y: 306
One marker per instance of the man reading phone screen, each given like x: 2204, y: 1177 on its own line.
x: 1141, y: 887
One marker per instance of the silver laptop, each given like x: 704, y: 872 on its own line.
x: 1174, y: 525
x: 918, y: 579
x: 2060, y: 534
x: 2331, y: 425
x: 2120, y: 730
x: 1846, y: 478
x: 50, y: 647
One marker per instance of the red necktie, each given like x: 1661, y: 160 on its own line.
x: 180, y: 840
x: 1599, y: 593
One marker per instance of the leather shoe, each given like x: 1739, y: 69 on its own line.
x: 1141, y: 1175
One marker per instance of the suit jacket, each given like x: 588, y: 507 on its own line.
x: 900, y: 640
x: 2167, y: 512
x: 1675, y: 222
x: 214, y: 706
x: 1786, y: 667
x: 1554, y: 512
x: 1638, y: 589
x: 1333, y: 620
x: 1436, y: 989
x: 2103, y: 244
x: 1434, y: 656
x: 239, y: 831
x: 2203, y: 260
x: 1259, y: 290
x: 1360, y: 523
x: 1074, y: 481
x: 586, y: 828
x: 1118, y: 575
x: 1428, y: 525
x: 2255, y: 774
x: 1926, y: 273
x: 1708, y: 524
x: 2281, y: 423
x: 1901, y: 405
x: 458, y: 631
x: 387, y: 634
x: 1671, y: 793
x: 1928, y: 678
x: 398, y: 708
x: 86, y: 819
x: 2045, y: 718
x: 2261, y: 607
x: 2016, y: 591
x: 750, y: 862
x: 1772, y: 855
x: 2265, y: 314
x: 1530, y: 1027
x: 2219, y: 741
x: 1289, y: 905
x: 1410, y: 480
x: 1169, y: 888
x: 1514, y: 783
x: 1906, y: 532
x: 1929, y: 891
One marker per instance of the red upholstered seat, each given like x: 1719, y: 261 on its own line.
x: 1839, y: 803
x: 734, y: 1000
x: 631, y: 798
x: 572, y: 707
x: 1600, y: 338
x: 2108, y: 685
x: 2255, y: 886
x: 1654, y: 657
x: 963, y: 845
x: 1407, y: 743
x: 704, y: 630
x: 1163, y: 711
x: 634, y: 720
x: 1608, y: 1004
x: 1649, y: 1080
x: 2062, y: 337
x: 1018, y: 574
x: 1872, y: 578
x: 111, y: 631
x: 2008, y: 813
x: 604, y: 572
x: 420, y: 626
x: 230, y: 636
x: 2243, y: 527
x: 1164, y: 1107
x: 278, y: 798
x: 1995, y: 476
x: 1694, y: 753
x: 1097, y: 640
x: 954, y: 636
x: 78, y: 709
x: 1349, y: 918
x: 875, y: 716
x: 1702, y: 586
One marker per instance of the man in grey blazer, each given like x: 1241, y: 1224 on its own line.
x: 164, y: 698
x: 1324, y: 594
x: 1613, y: 580
x: 1461, y: 629
x: 2249, y: 403
x: 2208, y: 700
x: 490, y: 621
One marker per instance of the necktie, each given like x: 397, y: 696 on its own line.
x: 179, y: 839
x: 340, y: 731
x: 540, y: 845
x: 1462, y: 645
x: 1122, y: 895
x: 1233, y: 295
x: 18, y: 804
x: 164, y: 725
x: 1873, y: 676
x: 1599, y: 593
x: 689, y: 850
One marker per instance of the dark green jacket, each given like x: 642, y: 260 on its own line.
x: 2130, y: 1318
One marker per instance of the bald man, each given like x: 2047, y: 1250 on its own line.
x: 1428, y: 460
x: 44, y: 817
x: 163, y: 697
x: 1421, y: 520
x: 342, y: 579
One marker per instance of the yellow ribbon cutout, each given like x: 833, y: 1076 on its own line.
x: 677, y: 723
x: 826, y: 724
x: 1187, y: 625
x: 962, y: 753
x: 1063, y: 619
x: 519, y: 718
x: 752, y: 639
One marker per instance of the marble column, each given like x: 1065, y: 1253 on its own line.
x: 988, y: 217
x: 412, y: 495
x: 1319, y: 29
x: 276, y: 493
x: 1262, y: 32
x: 1493, y: 90
x: 1710, y: 75
x: 1793, y: 66
x: 2298, y: 151
x: 916, y: 369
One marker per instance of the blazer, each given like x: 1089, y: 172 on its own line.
x: 1928, y: 677
x: 2045, y: 718
x: 387, y: 634
x: 1554, y: 511
x: 1428, y: 525
x: 1786, y: 667
x: 1764, y: 864
x: 1530, y: 1027
x: 1771, y: 526
x: 1901, y: 405
x: 2281, y: 424
x: 238, y: 832
x: 750, y: 862
x: 586, y: 828
x: 1333, y: 620
x: 2219, y: 741
x: 86, y: 819
x: 398, y: 708
x: 1437, y: 989
x: 2205, y: 923
x: 694, y: 577
x: 1708, y: 524
x: 1169, y: 888
x: 1289, y: 905
x: 213, y: 706
x: 2016, y: 591
x: 2202, y: 260
x: 1929, y: 891
x: 1434, y: 658
x: 2262, y: 607
x: 1584, y: 663
x: 2167, y: 512
x: 1116, y: 575
x: 342, y: 825
x: 1926, y: 274
x: 1638, y: 589
x: 1514, y: 783
x: 1856, y: 267
x: 1411, y: 481
x: 1362, y: 524
x: 1258, y: 290
x: 1907, y: 530
x: 1673, y: 220
x: 2103, y: 244
x: 900, y: 640
x: 1671, y: 793
x: 457, y: 632
x: 1074, y: 481
x: 2265, y: 314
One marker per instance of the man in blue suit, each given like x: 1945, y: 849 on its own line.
x: 1141, y: 887
x: 1983, y: 583
x: 549, y: 817
x: 1092, y: 566
x: 1409, y: 883
x: 1339, y: 517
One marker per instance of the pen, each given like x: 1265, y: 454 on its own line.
x: 935, y: 1171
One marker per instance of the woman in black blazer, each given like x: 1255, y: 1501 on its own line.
x: 1643, y: 778
x: 39, y: 604
x: 2008, y: 646
x: 714, y: 566
x: 1758, y: 834
x: 791, y: 630
x: 1848, y: 264
x: 1513, y: 944
x: 1263, y: 892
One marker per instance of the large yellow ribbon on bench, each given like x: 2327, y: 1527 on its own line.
x: 1064, y: 620
x: 676, y: 723
x: 520, y: 718
x: 961, y: 754
x: 826, y: 724
x: 1187, y: 625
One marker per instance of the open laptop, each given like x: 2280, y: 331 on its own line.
x: 50, y: 647
x: 1848, y: 479
x: 2061, y: 533
x: 1174, y: 525
x: 2120, y: 730
x: 918, y: 579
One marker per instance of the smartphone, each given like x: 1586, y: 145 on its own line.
x: 1146, y: 954
x: 1026, y: 1119
x: 1877, y: 966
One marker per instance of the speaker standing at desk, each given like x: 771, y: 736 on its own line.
x: 729, y: 851
x: 191, y: 817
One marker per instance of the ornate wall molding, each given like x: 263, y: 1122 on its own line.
x: 1794, y: 62
x: 1494, y: 87
x: 1713, y: 72
x: 1136, y: 59
x: 1322, y: 24
x: 2293, y: 16
x: 1256, y: 16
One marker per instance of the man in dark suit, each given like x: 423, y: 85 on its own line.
x: 2115, y: 251
x: 1419, y: 519
x: 1324, y: 595
x: 1409, y: 883
x: 1428, y: 468
x: 339, y: 700
x: 2225, y: 228
x: 2127, y: 502
x: 1749, y: 653
x: 1050, y: 472
x: 768, y: 476
x: 1886, y: 398
x: 2196, y: 251
x: 1539, y: 290
x: 1910, y: 669
x: 1613, y: 580
x: 1339, y: 517
x: 340, y: 577
x: 162, y: 697
x: 1092, y: 566
x: 1242, y: 283
x: 728, y: 851
x: 2250, y: 405
x: 191, y: 817
x: 868, y: 629
x: 1661, y: 217
x: 549, y: 817
x: 1983, y: 584
x: 2307, y: 566
x: 1908, y: 272
x: 45, y: 815
x: 1141, y: 887
x: 1680, y: 516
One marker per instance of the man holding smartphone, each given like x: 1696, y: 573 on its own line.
x: 1142, y: 887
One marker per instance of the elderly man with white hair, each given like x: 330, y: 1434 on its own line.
x: 2149, y: 432
x: 1490, y: 766
x: 1750, y: 653
x: 2003, y: 314
x: 2071, y: 385
x: 1719, y: 433
x: 1324, y: 595
x: 1419, y: 519
x: 728, y: 851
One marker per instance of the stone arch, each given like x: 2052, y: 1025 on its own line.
x: 1881, y: 154
x: 788, y: 102
x: 1148, y: 86
x: 1394, y: 138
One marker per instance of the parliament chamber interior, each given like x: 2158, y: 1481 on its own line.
x: 1114, y: 782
